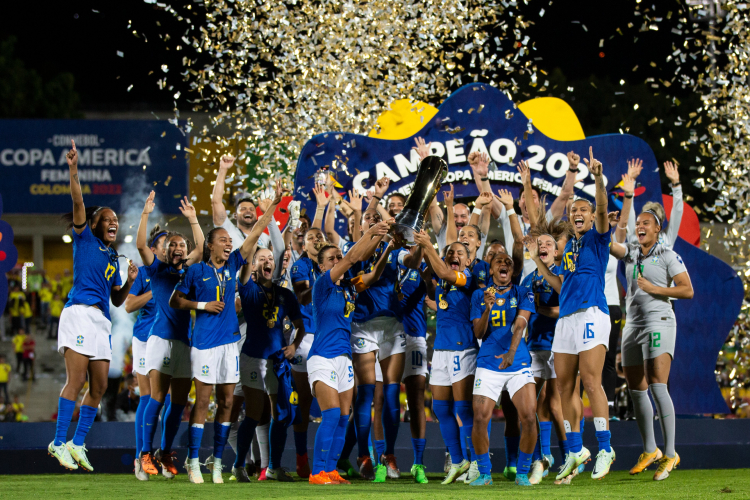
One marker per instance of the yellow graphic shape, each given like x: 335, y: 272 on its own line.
x: 405, y: 119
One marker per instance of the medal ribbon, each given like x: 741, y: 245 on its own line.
x: 222, y: 283
x: 641, y: 257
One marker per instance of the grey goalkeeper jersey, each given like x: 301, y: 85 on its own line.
x: 659, y: 267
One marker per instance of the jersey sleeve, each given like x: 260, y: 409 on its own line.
x: 117, y: 277
x: 528, y: 280
x: 300, y: 271
x: 675, y: 265
x: 236, y: 261
x: 470, y: 281
x: 526, y: 299
x: 140, y: 282
x: 86, y: 234
x: 151, y: 270
x: 477, y: 304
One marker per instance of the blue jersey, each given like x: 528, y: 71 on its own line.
x: 480, y: 270
x: 305, y: 270
x: 95, y: 272
x: 584, y: 265
x: 454, y: 328
x: 332, y: 306
x: 147, y: 313
x: 499, y: 333
x: 261, y: 305
x: 541, y: 327
x: 380, y: 299
x: 170, y: 323
x: 413, y: 290
x: 201, y: 280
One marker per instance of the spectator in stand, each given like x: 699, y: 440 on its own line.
x: 16, y: 301
x: 5, y: 373
x: 29, y: 346
x: 127, y: 400
x: 66, y: 284
x: 55, y: 310
x: 45, y: 299
x: 18, y: 339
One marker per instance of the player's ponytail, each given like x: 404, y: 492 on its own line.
x: 91, y: 212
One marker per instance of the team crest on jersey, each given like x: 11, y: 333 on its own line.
x: 655, y: 259
x: 254, y: 376
x: 204, y: 370
x: 413, y: 276
x: 478, y: 383
x: 79, y: 340
x: 166, y: 361
x: 297, y: 359
x: 360, y: 343
x: 333, y: 376
x: 513, y: 302
x: 482, y: 274
x: 142, y: 363
x: 294, y: 269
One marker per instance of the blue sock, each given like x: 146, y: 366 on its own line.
x: 511, y: 450
x: 489, y: 432
x: 142, y: 403
x: 170, y: 425
x: 537, y: 453
x: 65, y: 408
x: 378, y: 448
x: 221, y: 433
x: 337, y: 444
x: 448, y: 428
x: 465, y: 413
x: 362, y: 416
x: 167, y: 402
x: 418, y: 446
x: 324, y: 437
x: 563, y: 444
x: 278, y: 434
x: 485, y: 465
x: 524, y: 463
x: 545, y: 433
x: 603, y: 437
x: 86, y: 417
x: 391, y: 415
x: 583, y: 421
x: 574, y: 442
x: 245, y: 435
x: 350, y: 439
x: 150, y: 421
x: 194, y: 440
x: 300, y: 442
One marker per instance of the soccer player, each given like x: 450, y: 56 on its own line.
x: 454, y: 358
x: 84, y: 335
x: 499, y: 316
x: 141, y: 299
x: 214, y: 354
x: 582, y: 331
x: 655, y: 275
x: 331, y: 374
x: 167, y: 353
x: 265, y: 305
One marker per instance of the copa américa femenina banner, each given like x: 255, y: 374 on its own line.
x: 478, y: 117
x: 35, y: 175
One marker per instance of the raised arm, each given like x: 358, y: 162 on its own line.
x: 628, y: 187
x: 519, y: 325
x: 558, y: 206
x: 278, y: 242
x: 251, y: 242
x: 554, y: 280
x: 321, y: 201
x: 355, y: 203
x: 481, y: 204
x: 480, y: 324
x: 188, y: 210
x: 634, y: 170
x: 361, y: 250
x: 451, y: 234
x: 79, y: 209
x: 217, y: 204
x: 435, y: 262
x: 506, y: 198
x: 528, y: 194
x: 479, y: 163
x: 330, y: 223
x: 147, y: 256
x: 675, y: 217
x: 601, y: 222
x: 373, y: 276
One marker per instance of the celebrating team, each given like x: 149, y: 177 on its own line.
x: 523, y: 328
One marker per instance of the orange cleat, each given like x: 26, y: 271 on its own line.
x: 148, y: 464
x: 336, y: 477
x: 365, y: 467
x: 321, y: 478
x: 303, y: 466
x: 166, y: 459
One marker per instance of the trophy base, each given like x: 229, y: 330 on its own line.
x: 408, y: 222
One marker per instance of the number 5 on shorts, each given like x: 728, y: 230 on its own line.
x: 589, y: 333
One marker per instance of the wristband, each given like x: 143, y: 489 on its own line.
x: 628, y: 197
x: 80, y: 226
x: 376, y: 196
x: 521, y: 317
x: 620, y: 227
x: 484, y: 179
x: 477, y: 211
x: 675, y: 185
x: 202, y: 306
x: 574, y: 170
x: 510, y: 212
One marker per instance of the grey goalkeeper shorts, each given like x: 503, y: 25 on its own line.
x: 647, y: 342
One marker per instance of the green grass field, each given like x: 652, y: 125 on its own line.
x: 690, y: 484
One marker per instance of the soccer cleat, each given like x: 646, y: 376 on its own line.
x: 548, y: 461
x: 573, y: 461
x: 139, y: 474
x: 666, y: 465
x: 251, y: 469
x: 456, y: 470
x: 645, y: 460
x: 381, y: 473
x: 78, y: 453
x: 336, y: 477
x: 321, y: 478
x: 345, y: 465
x: 239, y: 474
x: 448, y: 463
x: 365, y: 467
x: 418, y: 473
x: 390, y: 463
x: 166, y: 459
x: 472, y: 473
x: 148, y: 464
x: 604, y: 461
x: 193, y: 467
x: 482, y: 480
x: 214, y: 465
x: 536, y: 473
x: 280, y: 474
x: 303, y: 466
x: 523, y: 480
x: 510, y: 473
x: 62, y: 455
x: 262, y: 475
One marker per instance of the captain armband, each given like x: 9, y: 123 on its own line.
x: 460, y: 278
x: 359, y: 284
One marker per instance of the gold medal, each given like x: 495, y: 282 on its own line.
x: 572, y: 267
x: 492, y: 290
x: 349, y: 308
x: 271, y: 323
x: 443, y: 304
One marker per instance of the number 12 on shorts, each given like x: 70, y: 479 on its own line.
x: 589, y: 332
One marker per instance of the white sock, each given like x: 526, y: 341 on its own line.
x: 600, y: 424
x: 232, y: 439
x: 261, y: 432
x: 254, y: 450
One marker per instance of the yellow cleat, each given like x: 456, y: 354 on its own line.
x: 666, y: 465
x: 645, y: 460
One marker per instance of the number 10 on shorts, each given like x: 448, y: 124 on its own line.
x: 589, y: 333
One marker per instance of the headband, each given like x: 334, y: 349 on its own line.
x: 658, y: 220
x: 159, y: 235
